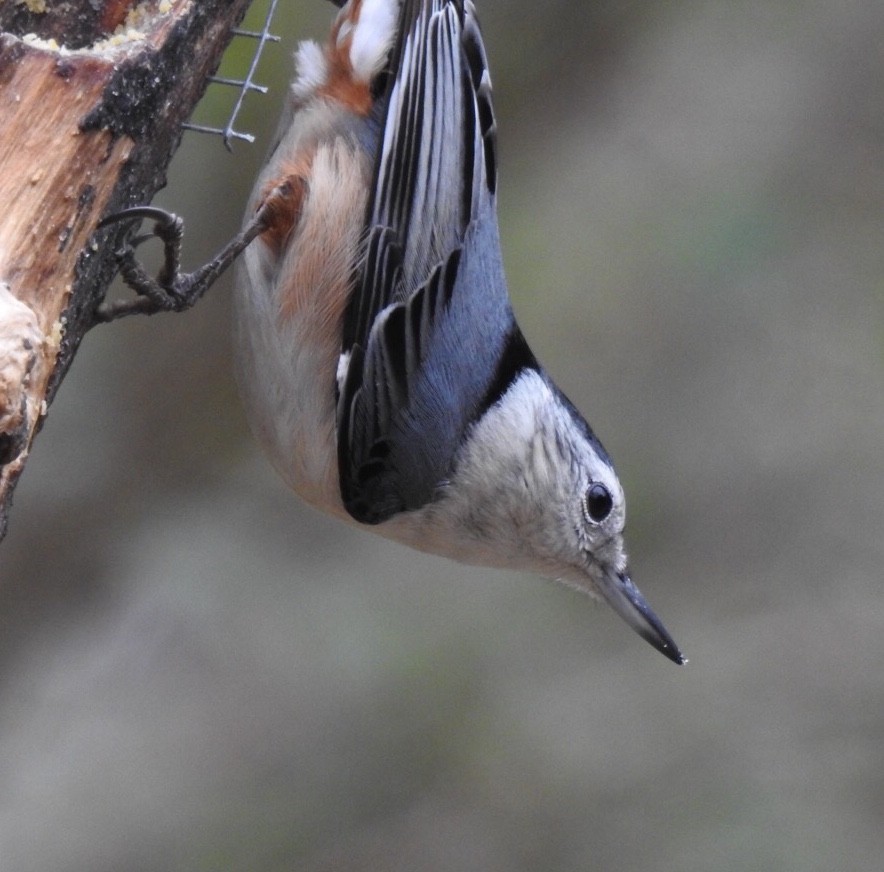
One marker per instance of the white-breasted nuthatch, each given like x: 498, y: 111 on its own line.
x: 380, y: 361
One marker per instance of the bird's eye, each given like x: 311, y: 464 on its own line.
x: 597, y: 503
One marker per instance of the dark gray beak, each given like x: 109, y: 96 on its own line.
x: 626, y: 599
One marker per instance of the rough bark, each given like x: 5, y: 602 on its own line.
x: 89, y: 126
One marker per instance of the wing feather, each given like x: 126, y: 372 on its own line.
x: 430, y: 320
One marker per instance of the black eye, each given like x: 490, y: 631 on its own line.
x: 597, y: 503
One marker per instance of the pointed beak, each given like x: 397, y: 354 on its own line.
x: 626, y: 599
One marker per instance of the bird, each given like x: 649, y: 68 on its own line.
x: 377, y: 352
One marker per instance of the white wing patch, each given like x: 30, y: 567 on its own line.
x: 343, y: 366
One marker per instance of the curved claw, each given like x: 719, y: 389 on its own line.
x: 171, y: 290
x: 161, y: 216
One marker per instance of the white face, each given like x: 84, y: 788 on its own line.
x: 599, y: 525
x: 533, y: 492
x: 576, y: 531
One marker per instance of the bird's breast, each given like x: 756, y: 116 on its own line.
x: 292, y: 290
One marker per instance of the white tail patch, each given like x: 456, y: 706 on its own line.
x: 373, y: 35
x: 311, y: 70
x: 364, y: 33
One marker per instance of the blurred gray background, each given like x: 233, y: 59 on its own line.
x: 198, y: 673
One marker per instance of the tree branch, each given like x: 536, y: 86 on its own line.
x: 89, y: 128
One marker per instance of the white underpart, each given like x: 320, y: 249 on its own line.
x: 287, y: 363
x: 311, y: 69
x: 373, y: 37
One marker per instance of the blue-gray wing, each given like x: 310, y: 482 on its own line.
x: 429, y: 334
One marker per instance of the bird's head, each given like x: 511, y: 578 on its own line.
x: 539, y: 492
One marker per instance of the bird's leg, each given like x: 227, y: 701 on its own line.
x: 171, y: 290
